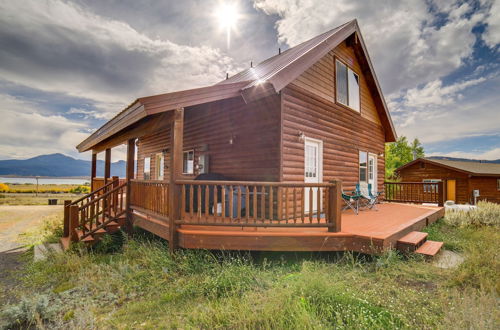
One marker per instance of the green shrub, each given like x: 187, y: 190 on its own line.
x: 29, y: 311
x: 486, y: 213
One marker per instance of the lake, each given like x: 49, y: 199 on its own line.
x: 44, y: 180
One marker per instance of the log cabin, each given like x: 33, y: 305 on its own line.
x: 257, y: 161
x: 461, y: 178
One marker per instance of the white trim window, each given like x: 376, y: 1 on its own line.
x: 147, y: 168
x: 347, y: 86
x: 363, y: 166
x: 160, y: 166
x: 188, y: 162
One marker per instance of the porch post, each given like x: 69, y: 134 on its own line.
x: 174, y: 191
x: 129, y: 176
x: 441, y: 195
x: 93, y: 170
x: 107, y: 166
x: 335, y: 206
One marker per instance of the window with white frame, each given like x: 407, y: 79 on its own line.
x: 363, y: 161
x: 147, y: 168
x: 188, y: 162
x: 347, y: 86
x: 160, y: 165
x: 431, y: 188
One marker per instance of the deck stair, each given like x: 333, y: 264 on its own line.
x: 416, y: 242
x: 89, y: 218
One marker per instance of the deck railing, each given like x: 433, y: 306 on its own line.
x: 260, y: 204
x: 415, y: 192
x: 149, y: 196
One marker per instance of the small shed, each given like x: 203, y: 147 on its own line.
x: 462, y: 178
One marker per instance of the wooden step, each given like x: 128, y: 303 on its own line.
x: 430, y: 248
x: 87, y: 239
x: 411, y: 241
x: 112, y: 227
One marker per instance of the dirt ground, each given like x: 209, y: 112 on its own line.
x: 15, y: 220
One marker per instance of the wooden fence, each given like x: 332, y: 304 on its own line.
x: 415, y: 192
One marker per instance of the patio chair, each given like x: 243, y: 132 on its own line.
x: 351, y: 202
x: 368, y: 199
x: 374, y: 195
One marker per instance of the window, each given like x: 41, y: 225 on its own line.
x: 347, y: 86
x: 498, y: 184
x: 160, y: 165
x: 363, y: 158
x: 188, y: 162
x: 147, y: 168
x: 431, y: 188
x: 371, y: 166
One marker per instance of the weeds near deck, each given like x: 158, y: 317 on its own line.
x: 136, y: 283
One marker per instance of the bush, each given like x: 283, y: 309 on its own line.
x: 29, y: 311
x: 80, y: 190
x: 486, y: 214
x: 4, y: 187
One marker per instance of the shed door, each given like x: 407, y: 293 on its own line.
x: 313, y: 154
x: 451, y: 186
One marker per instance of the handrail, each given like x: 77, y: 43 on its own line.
x: 150, y: 181
x: 93, y: 201
x: 90, y: 194
x: 254, y: 183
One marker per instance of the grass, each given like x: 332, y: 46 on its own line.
x: 33, y: 199
x: 141, y: 286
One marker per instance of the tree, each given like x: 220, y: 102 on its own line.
x: 400, y: 153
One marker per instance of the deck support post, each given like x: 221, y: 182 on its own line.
x: 66, y: 218
x: 107, y: 166
x: 93, y: 171
x: 174, y: 191
x: 441, y: 194
x: 335, y: 206
x: 73, y: 222
x: 129, y: 176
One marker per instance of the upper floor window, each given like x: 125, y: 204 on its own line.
x: 347, y: 86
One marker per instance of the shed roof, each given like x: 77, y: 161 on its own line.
x: 471, y: 167
x: 266, y: 78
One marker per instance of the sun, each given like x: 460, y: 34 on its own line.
x: 227, y: 16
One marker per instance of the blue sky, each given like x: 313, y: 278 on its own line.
x: 68, y: 66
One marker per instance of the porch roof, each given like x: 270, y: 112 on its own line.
x: 267, y: 78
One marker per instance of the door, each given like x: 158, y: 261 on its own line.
x: 372, y: 172
x: 451, y: 186
x: 313, y: 163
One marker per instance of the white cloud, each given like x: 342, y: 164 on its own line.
x: 26, y: 133
x: 435, y: 94
x: 89, y: 56
x: 404, y: 42
x: 492, y: 33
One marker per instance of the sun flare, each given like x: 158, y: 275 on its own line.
x: 227, y: 17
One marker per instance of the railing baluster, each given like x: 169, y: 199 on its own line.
x: 302, y: 204
x: 271, y: 204
x: 247, y: 203
x: 198, y: 211
x: 254, y: 201
x: 207, y: 201
x: 231, y: 201
x: 311, y: 204
x: 318, y: 200
x: 286, y: 204
x: 238, y: 203
x: 294, y: 214
x: 216, y: 202
x: 280, y: 204
x: 263, y: 203
x: 223, y: 197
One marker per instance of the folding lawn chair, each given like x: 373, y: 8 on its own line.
x: 351, y: 202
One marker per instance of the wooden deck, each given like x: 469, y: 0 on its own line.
x: 370, y: 232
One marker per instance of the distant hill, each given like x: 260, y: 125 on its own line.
x: 56, y: 165
x: 497, y: 161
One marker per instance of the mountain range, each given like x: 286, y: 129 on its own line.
x: 57, y: 165
x: 496, y: 161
